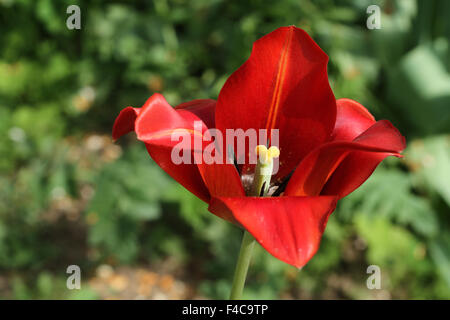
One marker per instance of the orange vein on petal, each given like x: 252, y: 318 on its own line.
x: 164, y: 133
x: 273, y: 110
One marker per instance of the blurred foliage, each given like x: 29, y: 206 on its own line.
x: 70, y: 196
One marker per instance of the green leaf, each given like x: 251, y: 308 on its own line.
x: 430, y: 158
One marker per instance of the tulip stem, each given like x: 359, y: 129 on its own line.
x: 240, y: 273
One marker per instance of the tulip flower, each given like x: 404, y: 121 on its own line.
x: 327, y: 148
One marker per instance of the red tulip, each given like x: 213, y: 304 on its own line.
x: 328, y: 147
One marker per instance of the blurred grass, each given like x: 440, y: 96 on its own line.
x: 70, y: 196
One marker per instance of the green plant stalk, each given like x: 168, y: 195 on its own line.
x: 261, y: 182
x: 240, y: 273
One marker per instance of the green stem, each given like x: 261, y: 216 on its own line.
x: 240, y: 273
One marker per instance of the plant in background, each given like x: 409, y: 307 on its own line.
x: 327, y: 148
x: 137, y: 217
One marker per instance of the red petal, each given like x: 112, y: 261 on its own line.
x: 377, y: 142
x: 289, y: 228
x: 352, y: 119
x: 283, y: 85
x: 158, y: 121
x: 124, y: 122
x: 205, y: 109
x: 356, y: 168
x: 222, y: 180
x: 154, y: 124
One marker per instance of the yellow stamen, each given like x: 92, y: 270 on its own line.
x: 266, y: 156
x: 263, y: 169
x: 274, y: 152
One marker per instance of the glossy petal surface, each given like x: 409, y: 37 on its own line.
x: 377, y: 142
x: 283, y: 85
x: 155, y: 123
x: 289, y: 228
x: 205, y: 109
x: 352, y: 119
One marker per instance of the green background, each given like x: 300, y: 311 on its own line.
x: 68, y: 195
